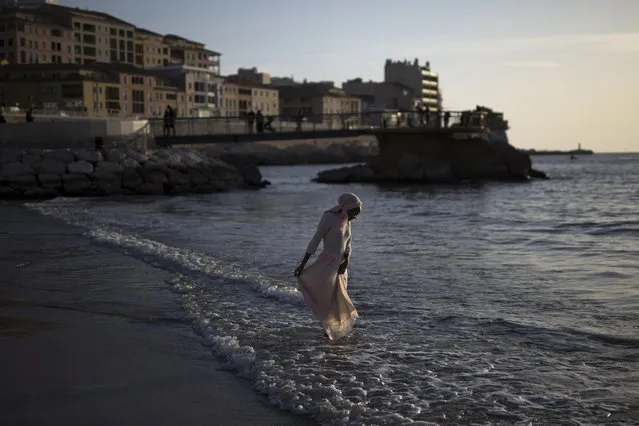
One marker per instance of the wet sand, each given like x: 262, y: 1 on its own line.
x: 89, y: 336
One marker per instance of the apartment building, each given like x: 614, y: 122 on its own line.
x: 240, y: 97
x: 382, y: 95
x: 151, y: 50
x: 31, y: 37
x: 236, y: 99
x: 94, y: 89
x: 85, y: 36
x: 202, y: 86
x: 192, y: 54
x: 251, y: 75
x: 420, y: 78
x: 316, y: 101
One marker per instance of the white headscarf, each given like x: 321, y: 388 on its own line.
x: 347, y: 201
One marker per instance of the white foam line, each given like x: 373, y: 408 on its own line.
x: 69, y: 211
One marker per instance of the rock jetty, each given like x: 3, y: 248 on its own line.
x: 437, y: 157
x: 84, y: 172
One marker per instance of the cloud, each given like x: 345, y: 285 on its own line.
x: 616, y: 43
x: 532, y: 64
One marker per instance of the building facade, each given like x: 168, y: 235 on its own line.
x: 202, y: 86
x: 151, y: 50
x: 31, y: 38
x: 192, y: 54
x: 88, y: 89
x: 316, y: 102
x: 382, y: 96
x: 251, y: 75
x: 419, y: 78
x: 83, y: 36
x: 239, y: 98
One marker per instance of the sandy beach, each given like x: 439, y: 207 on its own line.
x: 87, y: 337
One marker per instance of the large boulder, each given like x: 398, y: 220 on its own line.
x: 80, y: 167
x: 16, y: 169
x: 31, y: 158
x: 76, y: 184
x: 131, y: 179
x: 63, y: 155
x: 47, y: 180
x: 88, y: 155
x: 49, y: 165
x: 105, y: 183
x: 22, y: 183
x: 109, y: 167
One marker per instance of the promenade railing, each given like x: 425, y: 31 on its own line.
x: 201, y: 126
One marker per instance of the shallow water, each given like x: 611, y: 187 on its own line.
x: 484, y: 304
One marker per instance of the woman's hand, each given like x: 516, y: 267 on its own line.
x: 300, y: 268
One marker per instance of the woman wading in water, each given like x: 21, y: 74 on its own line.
x: 323, y: 283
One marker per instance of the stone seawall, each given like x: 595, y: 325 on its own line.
x: 84, y: 172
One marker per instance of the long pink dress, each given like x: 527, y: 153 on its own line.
x: 324, y: 289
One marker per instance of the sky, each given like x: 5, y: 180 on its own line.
x: 563, y: 72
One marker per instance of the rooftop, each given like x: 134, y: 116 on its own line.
x: 86, y: 12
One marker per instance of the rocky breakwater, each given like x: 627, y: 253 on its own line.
x: 437, y: 156
x: 83, y: 172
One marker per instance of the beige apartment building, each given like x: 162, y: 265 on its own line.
x: 92, y: 89
x: 29, y: 37
x: 97, y: 36
x: 50, y: 33
x: 240, y: 97
x: 192, y: 54
x: 150, y: 49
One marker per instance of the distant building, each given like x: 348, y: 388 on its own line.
x: 315, y: 101
x: 382, y: 95
x: 241, y: 97
x: 251, y: 75
x: 417, y: 77
x: 284, y: 81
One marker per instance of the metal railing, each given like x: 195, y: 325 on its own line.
x: 201, y: 126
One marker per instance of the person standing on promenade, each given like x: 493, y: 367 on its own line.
x: 323, y: 284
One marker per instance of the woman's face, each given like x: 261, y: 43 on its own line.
x: 353, y: 213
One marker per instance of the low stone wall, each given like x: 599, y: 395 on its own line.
x: 84, y: 172
x: 75, y: 133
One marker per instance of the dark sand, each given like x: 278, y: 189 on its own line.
x: 89, y: 336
